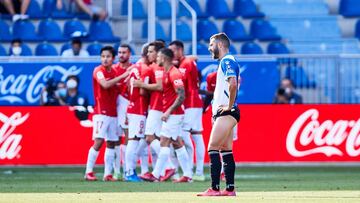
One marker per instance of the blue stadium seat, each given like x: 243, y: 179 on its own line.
x: 357, y: 29
x: 25, y: 30
x: 206, y: 29
x: 235, y: 30
x: 251, y: 48
x: 101, y: 31
x: 349, y: 8
x: 2, y: 51
x: 263, y: 30
x: 72, y: 26
x: 159, y: 31
x: 277, y: 48
x: 34, y: 10
x: 45, y: 49
x: 138, y: 9
x: 65, y: 47
x: 5, y: 34
x: 299, y: 77
x: 247, y: 9
x: 49, y: 30
x: 94, y: 49
x: 49, y: 10
x: 195, y: 5
x: 183, y: 31
x: 232, y: 50
x: 201, y: 49
x: 163, y: 9
x: 25, y: 50
x: 218, y: 9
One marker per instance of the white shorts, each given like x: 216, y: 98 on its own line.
x: 234, y: 132
x: 136, y: 125
x: 193, y: 119
x: 121, y: 108
x: 104, y: 127
x: 153, y: 123
x: 172, y: 127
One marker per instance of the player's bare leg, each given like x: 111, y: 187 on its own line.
x: 91, y: 160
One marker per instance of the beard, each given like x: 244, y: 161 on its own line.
x: 123, y: 60
x: 215, y: 53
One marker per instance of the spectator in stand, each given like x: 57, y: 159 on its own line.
x: 281, y: 97
x: 53, y: 94
x: 293, y: 97
x: 15, y: 47
x: 87, y: 6
x: 76, y: 50
x: 75, y: 98
x: 16, y: 8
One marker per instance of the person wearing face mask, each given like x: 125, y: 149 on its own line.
x: 75, y: 50
x: 15, y: 49
x: 53, y: 94
x: 293, y: 97
x: 74, y: 97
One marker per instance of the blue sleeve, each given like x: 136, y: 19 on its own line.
x: 230, y: 68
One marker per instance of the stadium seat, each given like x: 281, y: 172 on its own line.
x: 247, y: 9
x: 49, y: 10
x: 34, y: 10
x: 251, y: 48
x: 183, y: 31
x: 195, y: 5
x: 65, y: 47
x: 5, y: 34
x: 206, y: 29
x: 235, y: 30
x: 101, y: 31
x: 94, y: 49
x: 299, y: 77
x: 218, y: 9
x: 201, y: 49
x: 232, y: 50
x: 349, y: 8
x: 263, y: 30
x: 277, y: 48
x: 45, y: 49
x: 163, y: 9
x: 138, y: 9
x: 159, y: 31
x: 25, y: 50
x: 294, y: 8
x: 49, y: 30
x: 357, y: 29
x: 25, y: 30
x: 73, y: 27
x: 2, y: 51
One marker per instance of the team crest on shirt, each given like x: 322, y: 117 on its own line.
x: 178, y: 82
x: 182, y: 70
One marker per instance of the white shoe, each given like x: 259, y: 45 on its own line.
x: 16, y: 17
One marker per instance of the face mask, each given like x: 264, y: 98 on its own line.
x: 71, y: 84
x: 62, y: 92
x: 288, y: 90
x: 16, y: 51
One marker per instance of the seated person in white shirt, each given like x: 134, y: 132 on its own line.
x: 75, y: 50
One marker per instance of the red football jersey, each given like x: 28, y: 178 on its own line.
x: 171, y: 81
x: 105, y: 99
x: 122, y: 86
x: 211, y: 82
x: 191, y: 81
x: 156, y: 96
x: 138, y: 103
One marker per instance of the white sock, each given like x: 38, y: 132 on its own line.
x: 130, y: 156
x: 142, y: 153
x: 154, y: 157
x: 200, y: 153
x: 184, y: 161
x: 122, y: 157
x: 91, y: 160
x: 117, y: 159
x: 109, y: 161
x: 189, y: 148
x: 173, y: 163
x: 163, y: 157
x: 155, y: 145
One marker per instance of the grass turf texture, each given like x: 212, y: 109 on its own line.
x: 254, y: 184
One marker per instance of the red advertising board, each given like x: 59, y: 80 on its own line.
x: 266, y: 133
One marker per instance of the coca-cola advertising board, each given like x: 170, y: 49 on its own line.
x: 266, y: 133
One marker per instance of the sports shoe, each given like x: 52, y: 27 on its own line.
x: 222, y: 176
x: 168, y: 174
x: 209, y: 192
x: 117, y: 176
x: 132, y: 178
x: 228, y: 193
x: 150, y: 178
x: 200, y: 178
x: 90, y: 176
x: 109, y: 178
x: 144, y: 175
x: 183, y: 179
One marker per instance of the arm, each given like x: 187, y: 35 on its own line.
x: 109, y: 83
x: 59, y: 4
x: 232, y: 90
x: 151, y: 87
x: 177, y: 103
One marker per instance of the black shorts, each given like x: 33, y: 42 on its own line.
x: 234, y: 112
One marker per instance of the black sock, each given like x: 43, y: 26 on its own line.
x: 215, y: 169
x: 229, y: 169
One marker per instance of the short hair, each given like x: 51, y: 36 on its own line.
x: 74, y: 77
x: 76, y: 41
x: 144, y: 50
x: 168, y: 53
x: 16, y: 41
x: 222, y: 37
x: 177, y: 43
x: 158, y: 45
x: 126, y: 46
x: 108, y: 48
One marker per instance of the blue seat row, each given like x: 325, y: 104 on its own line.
x: 49, y: 30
